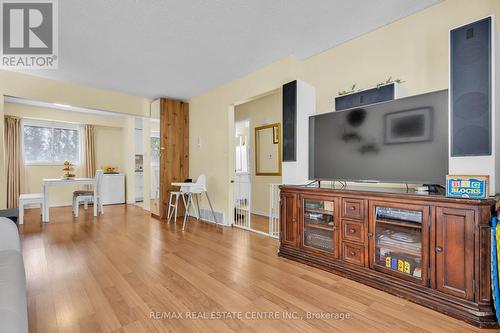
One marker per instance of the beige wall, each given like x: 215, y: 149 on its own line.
x: 414, y: 49
x: 109, y: 132
x: 52, y: 91
x: 261, y: 111
x: 39, y: 113
x: 36, y: 88
x: 266, y: 151
x: 106, y: 153
x: 211, y: 119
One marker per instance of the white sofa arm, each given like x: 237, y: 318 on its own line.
x: 9, y: 236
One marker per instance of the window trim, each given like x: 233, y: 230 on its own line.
x: 51, y: 124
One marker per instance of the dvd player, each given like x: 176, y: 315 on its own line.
x: 399, y: 214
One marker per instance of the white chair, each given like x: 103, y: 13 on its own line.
x: 173, y: 202
x: 197, y: 190
x: 172, y: 207
x: 86, y: 196
x: 30, y: 199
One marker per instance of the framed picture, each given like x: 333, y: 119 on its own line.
x: 467, y: 186
x: 276, y: 135
x: 408, y: 126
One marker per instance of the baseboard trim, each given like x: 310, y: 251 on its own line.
x: 261, y: 214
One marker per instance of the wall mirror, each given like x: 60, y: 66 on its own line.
x: 268, y: 150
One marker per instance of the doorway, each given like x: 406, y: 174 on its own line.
x: 257, y: 163
x: 242, y: 177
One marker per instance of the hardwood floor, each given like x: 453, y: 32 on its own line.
x: 259, y: 223
x: 108, y: 274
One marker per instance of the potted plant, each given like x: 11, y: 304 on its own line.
x: 388, y: 81
x: 383, y: 91
x: 347, y: 92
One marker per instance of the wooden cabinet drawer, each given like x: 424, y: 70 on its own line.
x: 353, y: 208
x: 353, y: 231
x: 353, y: 253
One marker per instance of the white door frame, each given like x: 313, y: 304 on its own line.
x: 249, y: 174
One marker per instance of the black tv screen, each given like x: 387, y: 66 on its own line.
x: 400, y: 141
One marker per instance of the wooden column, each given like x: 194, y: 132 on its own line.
x: 174, y: 143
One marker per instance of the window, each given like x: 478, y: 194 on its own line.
x: 50, y: 143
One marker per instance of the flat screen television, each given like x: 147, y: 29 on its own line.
x: 399, y: 141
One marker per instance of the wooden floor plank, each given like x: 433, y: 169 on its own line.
x: 109, y: 274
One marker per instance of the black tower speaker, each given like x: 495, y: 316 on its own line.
x: 470, y: 89
x: 290, y: 121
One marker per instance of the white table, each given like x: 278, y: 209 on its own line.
x: 188, y: 187
x: 62, y: 181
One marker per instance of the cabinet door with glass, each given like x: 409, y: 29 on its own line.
x: 319, y: 225
x: 399, y: 240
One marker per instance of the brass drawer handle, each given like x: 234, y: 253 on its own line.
x: 352, y: 254
x: 352, y: 207
x: 352, y: 231
x: 439, y: 249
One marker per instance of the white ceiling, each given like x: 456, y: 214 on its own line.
x: 180, y: 48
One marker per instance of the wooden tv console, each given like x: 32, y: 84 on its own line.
x: 429, y: 249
